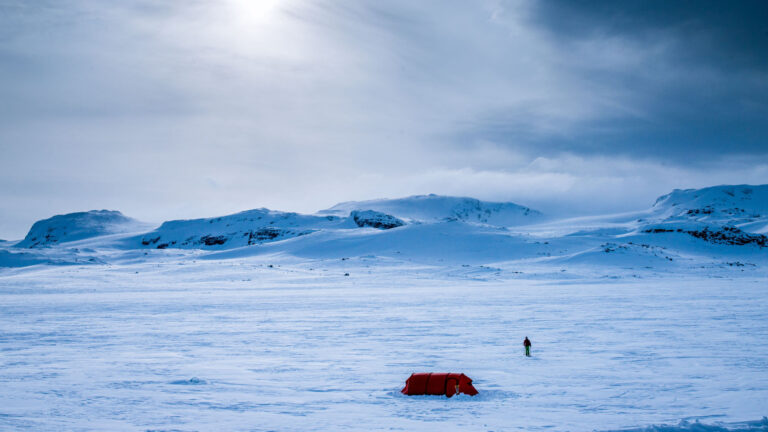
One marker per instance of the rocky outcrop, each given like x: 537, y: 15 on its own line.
x: 722, y: 235
x: 374, y: 219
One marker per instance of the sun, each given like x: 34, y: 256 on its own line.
x: 256, y: 11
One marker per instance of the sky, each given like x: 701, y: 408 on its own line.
x: 172, y: 110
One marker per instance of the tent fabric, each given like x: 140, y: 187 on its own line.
x: 438, y: 384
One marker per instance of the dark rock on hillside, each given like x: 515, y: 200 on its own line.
x: 269, y: 233
x: 724, y: 235
x: 256, y: 236
x: 374, y: 219
x: 210, y: 240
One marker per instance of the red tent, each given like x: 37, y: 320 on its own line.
x: 438, y: 384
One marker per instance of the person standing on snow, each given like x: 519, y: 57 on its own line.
x: 527, y: 345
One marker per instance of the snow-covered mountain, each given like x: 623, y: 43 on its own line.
x: 736, y: 215
x: 722, y: 224
x: 715, y: 204
x: 432, y: 208
x: 247, y: 228
x: 742, y: 206
x: 255, y: 227
x: 77, y: 226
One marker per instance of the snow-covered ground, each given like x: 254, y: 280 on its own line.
x: 239, y: 345
x: 634, y: 324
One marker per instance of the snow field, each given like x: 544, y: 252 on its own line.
x: 236, y: 345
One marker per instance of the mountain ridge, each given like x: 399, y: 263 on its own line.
x: 685, y: 225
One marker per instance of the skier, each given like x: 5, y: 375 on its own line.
x: 527, y: 345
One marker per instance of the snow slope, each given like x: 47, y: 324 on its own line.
x: 742, y: 206
x: 77, y: 226
x: 453, y: 242
x: 433, y: 208
x: 734, y: 215
x: 242, y: 229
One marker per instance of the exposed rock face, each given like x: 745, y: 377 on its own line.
x: 270, y: 233
x: 723, y: 235
x: 374, y: 219
x: 213, y: 240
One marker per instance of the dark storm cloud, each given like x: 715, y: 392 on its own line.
x: 696, y: 89
x: 726, y: 35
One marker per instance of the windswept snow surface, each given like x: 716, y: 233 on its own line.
x: 272, y: 343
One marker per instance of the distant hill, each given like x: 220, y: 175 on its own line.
x: 78, y: 226
x: 733, y: 215
x: 730, y: 204
x: 715, y: 226
x: 247, y: 228
x: 261, y: 226
x: 431, y: 208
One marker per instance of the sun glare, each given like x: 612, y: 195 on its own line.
x: 255, y: 11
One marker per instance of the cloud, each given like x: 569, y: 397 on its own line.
x: 168, y: 110
x: 694, y: 74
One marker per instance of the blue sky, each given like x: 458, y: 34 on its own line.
x: 165, y: 109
